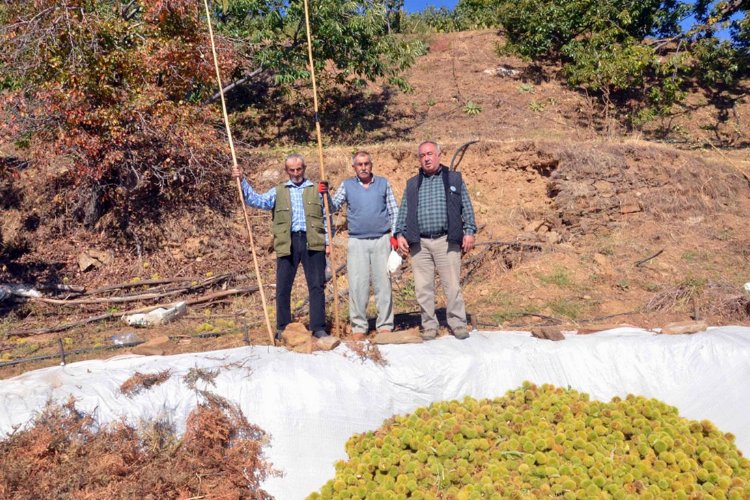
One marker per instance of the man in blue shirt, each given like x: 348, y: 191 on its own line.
x: 371, y: 217
x: 299, y: 236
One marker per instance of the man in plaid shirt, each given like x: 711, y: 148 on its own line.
x: 435, y: 224
x: 371, y: 216
x: 299, y: 236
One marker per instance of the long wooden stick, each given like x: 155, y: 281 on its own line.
x: 234, y: 164
x: 322, y: 170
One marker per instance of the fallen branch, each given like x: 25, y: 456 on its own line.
x: 66, y: 326
x: 132, y: 298
x: 513, y: 244
x: 641, y: 262
x: 163, y: 281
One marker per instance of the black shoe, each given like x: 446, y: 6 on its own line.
x: 320, y: 334
x: 277, y: 336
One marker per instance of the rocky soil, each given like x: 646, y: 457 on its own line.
x: 582, y: 223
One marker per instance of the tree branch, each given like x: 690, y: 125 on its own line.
x: 231, y: 86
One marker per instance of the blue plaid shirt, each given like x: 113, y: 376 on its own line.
x: 267, y: 200
x: 432, y: 213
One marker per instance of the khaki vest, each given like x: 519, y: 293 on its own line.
x: 282, y: 220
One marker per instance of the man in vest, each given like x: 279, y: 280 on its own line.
x: 435, y: 223
x: 299, y: 236
x: 371, y: 216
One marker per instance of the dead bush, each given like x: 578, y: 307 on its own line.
x: 720, y: 300
x: 66, y: 454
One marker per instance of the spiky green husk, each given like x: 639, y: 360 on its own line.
x: 542, y: 441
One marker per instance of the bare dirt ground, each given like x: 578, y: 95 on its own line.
x: 570, y: 211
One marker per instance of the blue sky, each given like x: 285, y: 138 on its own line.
x: 417, y: 5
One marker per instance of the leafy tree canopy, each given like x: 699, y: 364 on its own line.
x: 628, y: 47
x: 647, y: 50
x: 123, y: 89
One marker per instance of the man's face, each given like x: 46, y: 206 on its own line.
x: 363, y: 168
x: 429, y: 158
x: 295, y: 169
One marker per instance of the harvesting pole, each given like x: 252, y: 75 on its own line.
x: 322, y: 170
x: 239, y: 184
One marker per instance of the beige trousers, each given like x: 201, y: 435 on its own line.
x: 445, y: 258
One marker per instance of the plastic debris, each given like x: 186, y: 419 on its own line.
x: 19, y: 291
x: 394, y: 262
x: 160, y: 316
x: 125, y: 338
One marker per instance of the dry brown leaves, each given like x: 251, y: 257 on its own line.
x: 367, y: 350
x: 66, y: 454
x: 140, y: 381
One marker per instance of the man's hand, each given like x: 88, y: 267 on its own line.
x: 394, y: 243
x: 236, y: 172
x: 323, y: 187
x: 468, y: 243
x: 328, y: 249
x: 403, y: 245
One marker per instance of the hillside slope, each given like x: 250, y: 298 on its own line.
x: 570, y: 209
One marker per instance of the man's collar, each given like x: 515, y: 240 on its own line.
x: 437, y: 172
x: 360, y: 180
x: 304, y: 183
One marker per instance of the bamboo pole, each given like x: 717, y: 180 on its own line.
x: 234, y: 164
x: 322, y: 170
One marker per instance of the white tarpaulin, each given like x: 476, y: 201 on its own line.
x: 311, y: 404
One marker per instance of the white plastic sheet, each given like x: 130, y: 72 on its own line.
x: 311, y: 404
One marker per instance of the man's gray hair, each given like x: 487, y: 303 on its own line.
x: 295, y: 156
x: 361, y: 153
x: 437, y: 146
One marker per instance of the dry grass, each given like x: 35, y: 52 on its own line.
x: 65, y: 454
x: 727, y: 301
x: 721, y: 301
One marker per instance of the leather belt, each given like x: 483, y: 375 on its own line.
x: 433, y: 236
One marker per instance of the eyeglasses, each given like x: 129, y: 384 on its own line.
x: 362, y: 163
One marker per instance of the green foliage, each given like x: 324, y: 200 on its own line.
x: 559, y: 276
x: 719, y: 62
x: 566, y: 308
x: 431, y: 20
x: 468, y: 15
x: 542, y: 442
x: 536, y: 106
x: 352, y: 35
x: 619, y: 49
x: 472, y: 109
x: 477, y: 14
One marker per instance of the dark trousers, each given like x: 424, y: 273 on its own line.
x: 314, y: 265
